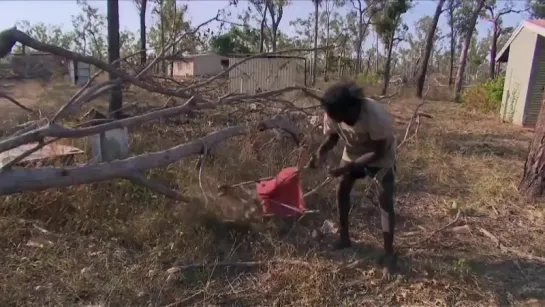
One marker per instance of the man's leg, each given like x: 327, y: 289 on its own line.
x: 344, y: 187
x: 386, y: 202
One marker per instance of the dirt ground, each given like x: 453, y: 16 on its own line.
x: 464, y: 236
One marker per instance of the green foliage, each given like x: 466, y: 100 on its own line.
x: 235, y: 41
x: 368, y: 78
x: 387, y: 19
x: 486, y: 96
x: 536, y: 8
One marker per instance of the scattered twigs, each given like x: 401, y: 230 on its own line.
x: 200, y: 164
x: 318, y: 187
x: 15, y: 102
x: 140, y: 179
x: 433, y: 233
x: 415, y: 119
x: 179, y: 269
x: 507, y: 249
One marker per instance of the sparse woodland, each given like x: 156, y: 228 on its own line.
x: 169, y: 225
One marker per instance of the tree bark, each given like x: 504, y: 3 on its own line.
x: 327, y: 53
x: 315, y: 55
x: 360, y: 42
x: 465, y: 48
x: 452, y: 42
x: 388, y: 64
x: 532, y: 184
x: 262, y: 30
x: 143, y: 54
x: 116, y: 96
x: 427, y: 51
x: 493, y: 50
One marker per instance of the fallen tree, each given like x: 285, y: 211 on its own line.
x: 189, y: 99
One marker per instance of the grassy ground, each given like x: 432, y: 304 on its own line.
x: 116, y: 244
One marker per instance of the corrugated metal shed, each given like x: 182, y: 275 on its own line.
x: 265, y: 73
x: 524, y: 84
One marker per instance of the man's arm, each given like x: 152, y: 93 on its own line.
x: 329, y: 142
x: 378, y: 151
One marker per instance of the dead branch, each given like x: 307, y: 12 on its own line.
x: 15, y: 102
x: 175, y: 270
x: 415, y: 119
x: 20, y: 180
x: 140, y: 179
x: 433, y: 233
x: 507, y: 249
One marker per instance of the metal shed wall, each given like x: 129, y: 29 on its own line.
x: 265, y: 74
x: 536, y: 84
x: 209, y: 64
x: 517, y: 78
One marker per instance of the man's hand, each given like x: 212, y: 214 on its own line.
x: 315, y: 161
x: 339, y: 171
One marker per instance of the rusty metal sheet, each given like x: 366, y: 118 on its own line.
x: 50, y: 151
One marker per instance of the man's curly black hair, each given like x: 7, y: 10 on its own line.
x: 341, y: 97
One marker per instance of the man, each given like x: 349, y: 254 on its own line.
x: 370, y: 147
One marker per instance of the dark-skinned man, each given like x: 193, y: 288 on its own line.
x: 370, y: 146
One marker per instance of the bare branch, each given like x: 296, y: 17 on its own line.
x: 15, y: 102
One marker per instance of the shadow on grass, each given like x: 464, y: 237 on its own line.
x: 505, y: 146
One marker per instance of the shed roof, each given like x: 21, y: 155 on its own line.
x: 189, y: 57
x: 264, y: 56
x: 535, y: 25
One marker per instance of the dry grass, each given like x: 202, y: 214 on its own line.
x: 112, y: 243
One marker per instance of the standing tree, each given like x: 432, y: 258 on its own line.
x: 363, y: 9
x: 89, y: 27
x: 141, y: 5
x: 116, y: 96
x: 276, y: 12
x: 491, y: 14
x: 533, y: 180
x: 387, y: 23
x: 261, y: 7
x: 468, y: 33
x: 427, y: 51
x: 315, y: 54
x: 451, y: 9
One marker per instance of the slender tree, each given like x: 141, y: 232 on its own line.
x: 315, y: 54
x: 427, y: 51
x: 116, y: 96
x: 468, y: 34
x: 141, y: 5
x: 492, y: 14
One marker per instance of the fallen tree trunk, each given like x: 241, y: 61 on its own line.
x: 21, y: 179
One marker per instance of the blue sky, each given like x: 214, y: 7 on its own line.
x: 60, y: 12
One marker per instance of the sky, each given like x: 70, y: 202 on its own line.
x: 60, y: 12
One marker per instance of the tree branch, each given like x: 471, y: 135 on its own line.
x: 20, y: 180
x: 15, y: 102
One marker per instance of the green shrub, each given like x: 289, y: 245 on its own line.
x: 368, y: 78
x: 485, y: 96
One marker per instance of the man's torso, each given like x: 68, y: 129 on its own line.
x: 373, y: 120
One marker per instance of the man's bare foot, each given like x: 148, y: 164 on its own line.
x: 389, y: 261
